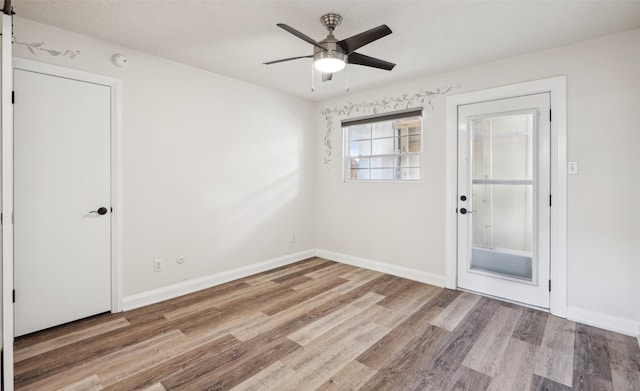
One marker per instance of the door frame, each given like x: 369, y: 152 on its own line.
x: 557, y: 87
x: 115, y: 87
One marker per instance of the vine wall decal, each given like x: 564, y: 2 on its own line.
x: 404, y: 101
x: 33, y: 46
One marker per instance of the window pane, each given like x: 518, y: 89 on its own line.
x: 502, y: 147
x: 360, y: 174
x: 408, y: 161
x: 408, y: 173
x: 502, y: 217
x: 382, y: 162
x: 360, y: 148
x: 360, y: 132
x: 382, y: 173
x: 382, y: 129
x: 360, y: 162
x: 382, y: 146
x: 409, y: 144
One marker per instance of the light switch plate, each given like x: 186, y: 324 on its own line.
x: 572, y: 168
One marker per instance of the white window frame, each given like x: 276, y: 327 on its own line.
x: 346, y: 158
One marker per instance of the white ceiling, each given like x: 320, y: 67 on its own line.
x: 234, y: 38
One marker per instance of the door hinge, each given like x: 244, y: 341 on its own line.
x: 13, y: 97
x: 13, y: 295
x: 549, y: 115
x: 1, y: 221
x: 549, y: 285
x: 549, y: 199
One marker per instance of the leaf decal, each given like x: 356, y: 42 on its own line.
x: 33, y: 46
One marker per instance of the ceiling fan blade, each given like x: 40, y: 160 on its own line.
x: 361, y: 59
x: 326, y: 76
x: 286, y: 59
x: 351, y: 44
x: 300, y: 35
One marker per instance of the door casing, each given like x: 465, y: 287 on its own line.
x: 556, y: 86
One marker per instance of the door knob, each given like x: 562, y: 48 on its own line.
x: 464, y: 211
x: 101, y: 211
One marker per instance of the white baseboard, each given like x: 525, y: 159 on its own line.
x: 395, y: 270
x: 604, y: 321
x: 190, y: 286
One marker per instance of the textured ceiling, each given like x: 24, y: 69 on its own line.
x: 234, y: 38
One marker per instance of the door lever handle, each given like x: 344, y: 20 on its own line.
x: 101, y: 211
x: 464, y: 211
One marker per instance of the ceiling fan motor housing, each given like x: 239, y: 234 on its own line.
x: 330, y: 44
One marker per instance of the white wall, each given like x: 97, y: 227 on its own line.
x: 403, y: 224
x: 216, y: 170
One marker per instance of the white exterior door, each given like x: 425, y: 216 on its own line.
x: 61, y: 180
x: 504, y: 198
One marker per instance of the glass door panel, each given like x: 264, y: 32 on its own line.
x: 502, y: 194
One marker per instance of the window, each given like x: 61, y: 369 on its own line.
x: 384, y: 148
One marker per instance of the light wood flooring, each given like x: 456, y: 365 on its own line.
x: 321, y: 325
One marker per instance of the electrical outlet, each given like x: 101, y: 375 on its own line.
x: 180, y: 259
x: 157, y: 265
x: 572, y: 168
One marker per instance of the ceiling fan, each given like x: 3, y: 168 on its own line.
x: 330, y: 55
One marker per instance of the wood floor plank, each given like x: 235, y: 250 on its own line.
x: 466, y: 379
x: 456, y: 311
x: 312, y: 331
x: 221, y: 300
x: 540, y: 383
x: 331, y: 271
x: 591, y: 353
x: 587, y: 382
x: 405, y: 370
x: 349, y: 378
x: 531, y: 326
x: 486, y: 353
x: 91, y: 383
x: 321, y: 359
x: 284, y: 271
x: 314, y: 288
x: 624, y: 354
x: 379, y: 354
x: 266, y: 379
x: 155, y: 387
x: 72, y: 337
x: 625, y: 379
x: 302, y: 272
x: 216, y: 351
x: 317, y: 324
x: 555, y: 355
x: 515, y: 372
x: 114, y: 366
x: 244, y: 360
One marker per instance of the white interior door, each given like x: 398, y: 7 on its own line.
x: 61, y: 180
x: 504, y: 198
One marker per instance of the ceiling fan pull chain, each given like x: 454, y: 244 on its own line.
x: 313, y: 79
x: 347, y: 77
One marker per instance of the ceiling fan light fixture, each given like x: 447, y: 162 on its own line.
x: 329, y: 61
